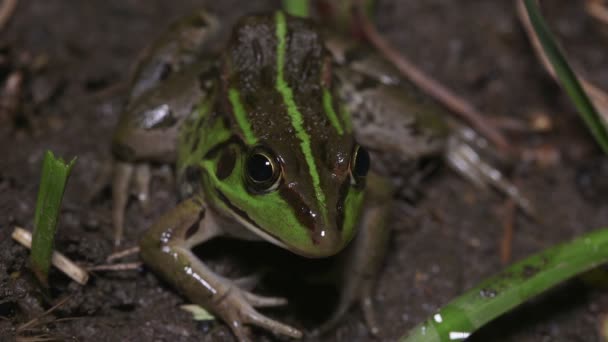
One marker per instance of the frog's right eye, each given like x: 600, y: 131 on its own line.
x: 262, y: 171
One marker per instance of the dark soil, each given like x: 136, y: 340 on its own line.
x: 75, y: 56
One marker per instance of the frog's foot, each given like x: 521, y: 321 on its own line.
x: 365, y: 301
x: 465, y: 155
x: 166, y: 248
x: 369, y: 311
x: 237, y: 308
x: 121, y: 182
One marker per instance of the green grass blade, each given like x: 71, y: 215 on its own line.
x: 567, y: 77
x: 298, y: 8
x: 511, y: 287
x: 55, y: 173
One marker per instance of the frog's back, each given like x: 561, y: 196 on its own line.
x: 280, y: 67
x: 275, y: 88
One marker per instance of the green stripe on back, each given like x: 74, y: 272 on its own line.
x: 294, y: 114
x: 330, y: 112
x: 241, y: 116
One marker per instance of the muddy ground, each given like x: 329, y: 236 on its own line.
x: 74, y: 56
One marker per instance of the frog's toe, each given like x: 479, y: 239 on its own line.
x: 142, y: 179
x: 123, y: 172
x: 241, y: 332
x: 261, y: 301
x: 237, y: 309
x: 369, y: 314
x: 249, y: 282
x: 255, y: 318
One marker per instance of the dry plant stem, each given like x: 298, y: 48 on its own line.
x: 433, y: 87
x: 509, y: 124
x: 35, y: 321
x: 597, y: 96
x: 122, y: 254
x: 65, y: 265
x: 116, y: 267
x: 507, y: 236
x: 597, y: 9
x: 37, y: 338
x: 7, y: 8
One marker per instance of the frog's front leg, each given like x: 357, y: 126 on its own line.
x: 148, y: 132
x: 122, y: 175
x: 166, y: 248
x: 360, y: 263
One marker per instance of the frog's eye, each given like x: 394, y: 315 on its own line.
x: 360, y: 164
x: 262, y: 171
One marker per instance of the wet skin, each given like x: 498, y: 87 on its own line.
x: 270, y: 138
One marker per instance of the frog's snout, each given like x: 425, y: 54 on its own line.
x: 327, y: 239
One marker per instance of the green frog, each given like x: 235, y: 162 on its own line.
x: 271, y: 137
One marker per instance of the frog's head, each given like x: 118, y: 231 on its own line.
x: 292, y: 171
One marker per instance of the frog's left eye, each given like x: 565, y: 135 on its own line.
x: 262, y: 171
x: 360, y: 165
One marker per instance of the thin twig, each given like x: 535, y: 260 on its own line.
x: 7, y: 8
x: 431, y: 86
x: 59, y: 260
x: 35, y: 321
x: 31, y: 325
x: 38, y: 338
x: 597, y: 95
x: 122, y: 254
x: 116, y: 267
x: 509, y: 124
x: 597, y: 9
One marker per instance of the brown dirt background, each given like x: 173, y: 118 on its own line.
x: 441, y: 247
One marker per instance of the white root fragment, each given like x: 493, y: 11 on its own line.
x: 65, y: 265
x: 122, y: 254
x: 116, y: 267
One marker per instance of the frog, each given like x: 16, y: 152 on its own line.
x: 272, y: 135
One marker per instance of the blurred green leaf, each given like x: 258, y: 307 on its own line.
x: 298, y: 8
x: 55, y: 173
x: 512, y: 287
x: 567, y: 77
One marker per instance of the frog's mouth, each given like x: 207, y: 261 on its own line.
x: 241, y: 217
x: 248, y: 222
